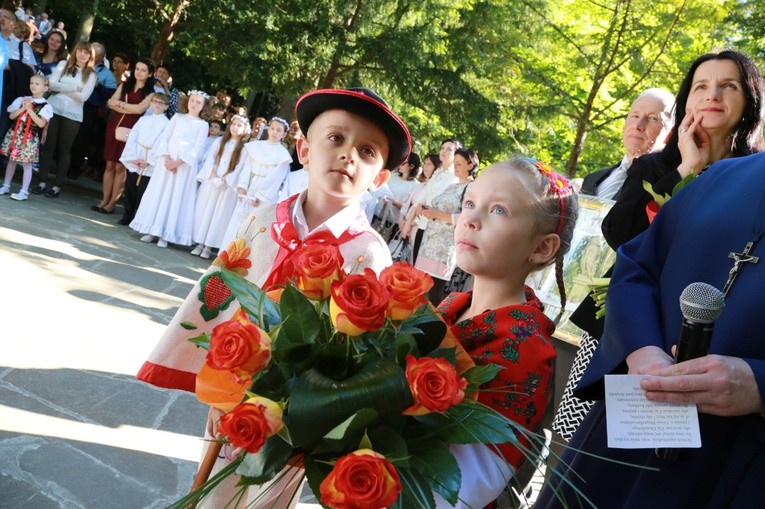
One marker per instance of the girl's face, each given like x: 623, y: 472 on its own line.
x: 717, y: 95
x: 237, y: 129
x: 196, y: 103
x: 428, y: 168
x: 141, y: 72
x: 404, y: 169
x: 447, y: 154
x: 158, y: 107
x: 82, y: 57
x: 462, y: 167
x: 37, y: 86
x: 54, y: 42
x: 276, y: 132
x: 496, y: 232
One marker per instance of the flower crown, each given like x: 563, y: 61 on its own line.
x: 282, y: 122
x: 559, y: 186
x: 203, y: 95
x: 242, y: 119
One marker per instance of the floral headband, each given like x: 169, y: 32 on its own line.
x: 201, y: 94
x: 559, y: 186
x: 242, y: 119
x: 282, y: 122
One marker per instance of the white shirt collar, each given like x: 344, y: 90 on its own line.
x: 344, y: 220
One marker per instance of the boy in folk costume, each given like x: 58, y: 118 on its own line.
x: 352, y: 139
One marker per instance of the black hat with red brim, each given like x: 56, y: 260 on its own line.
x: 366, y: 104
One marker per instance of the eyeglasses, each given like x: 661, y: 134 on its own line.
x: 157, y: 101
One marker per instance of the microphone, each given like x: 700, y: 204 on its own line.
x: 701, y: 304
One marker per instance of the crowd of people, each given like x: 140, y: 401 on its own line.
x: 190, y: 169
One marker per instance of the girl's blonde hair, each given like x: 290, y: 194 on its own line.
x: 555, y: 205
x: 42, y: 78
x: 71, y: 63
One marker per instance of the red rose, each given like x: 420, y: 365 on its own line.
x: 651, y: 210
x: 250, y: 423
x: 434, y: 384
x: 358, y: 303
x: 407, y: 287
x: 317, y: 266
x: 239, y: 345
x: 361, y: 480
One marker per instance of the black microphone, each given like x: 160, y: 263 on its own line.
x: 701, y: 304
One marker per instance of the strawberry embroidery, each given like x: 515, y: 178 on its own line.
x: 214, y: 295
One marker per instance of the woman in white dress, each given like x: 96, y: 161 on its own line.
x: 266, y: 165
x: 217, y: 194
x: 166, y: 213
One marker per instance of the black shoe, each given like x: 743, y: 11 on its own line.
x: 105, y: 211
x: 50, y: 193
x: 124, y: 221
x: 95, y: 208
x: 38, y: 190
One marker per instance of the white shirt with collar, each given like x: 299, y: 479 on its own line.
x: 13, y: 50
x: 610, y: 185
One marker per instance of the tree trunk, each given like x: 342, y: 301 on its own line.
x: 87, y: 21
x: 169, y: 27
x: 350, y: 27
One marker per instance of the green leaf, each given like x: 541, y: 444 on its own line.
x: 319, y: 403
x: 300, y: 323
x: 450, y: 354
x: 661, y: 199
x: 416, y: 492
x: 188, y: 326
x: 267, y: 462
x: 470, y: 423
x: 479, y: 375
x: 315, y: 472
x: 261, y: 309
x: 439, y: 468
x: 687, y: 180
x: 202, y: 341
x: 390, y: 444
x: 353, y: 427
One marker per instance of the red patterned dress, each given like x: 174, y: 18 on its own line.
x: 517, y: 338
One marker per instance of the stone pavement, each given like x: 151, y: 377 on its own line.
x: 82, y: 305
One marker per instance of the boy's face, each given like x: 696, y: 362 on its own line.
x: 214, y: 130
x: 345, y: 154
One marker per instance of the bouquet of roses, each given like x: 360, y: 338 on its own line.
x: 352, y: 377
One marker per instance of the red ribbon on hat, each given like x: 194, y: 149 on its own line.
x: 283, y: 232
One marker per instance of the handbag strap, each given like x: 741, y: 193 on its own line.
x: 119, y: 124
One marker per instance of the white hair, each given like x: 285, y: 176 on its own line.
x: 667, y: 100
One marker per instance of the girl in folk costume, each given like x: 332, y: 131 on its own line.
x: 22, y: 141
x: 138, y: 157
x: 517, y: 217
x: 266, y: 165
x: 167, y: 209
x: 217, y: 195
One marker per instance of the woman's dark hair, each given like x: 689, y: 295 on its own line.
x: 747, y: 135
x: 414, y: 160
x: 469, y: 155
x: 148, y: 87
x: 62, y: 52
x: 122, y: 57
x: 167, y: 67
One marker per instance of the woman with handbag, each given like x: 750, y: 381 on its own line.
x: 72, y: 82
x: 129, y: 102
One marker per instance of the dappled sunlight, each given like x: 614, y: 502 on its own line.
x: 151, y: 441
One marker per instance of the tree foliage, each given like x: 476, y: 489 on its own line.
x: 552, y: 79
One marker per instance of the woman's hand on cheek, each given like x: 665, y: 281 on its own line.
x: 694, y: 145
x: 717, y: 384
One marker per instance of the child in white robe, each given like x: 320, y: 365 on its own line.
x: 138, y: 156
x: 166, y: 213
x: 217, y: 195
x: 266, y: 165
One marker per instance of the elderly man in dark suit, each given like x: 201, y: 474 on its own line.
x: 645, y: 129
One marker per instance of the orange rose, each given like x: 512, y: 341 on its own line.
x: 239, y: 346
x: 434, y: 384
x: 407, y: 287
x: 317, y: 266
x: 220, y: 388
x: 358, y: 303
x: 361, y: 480
x: 250, y: 423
